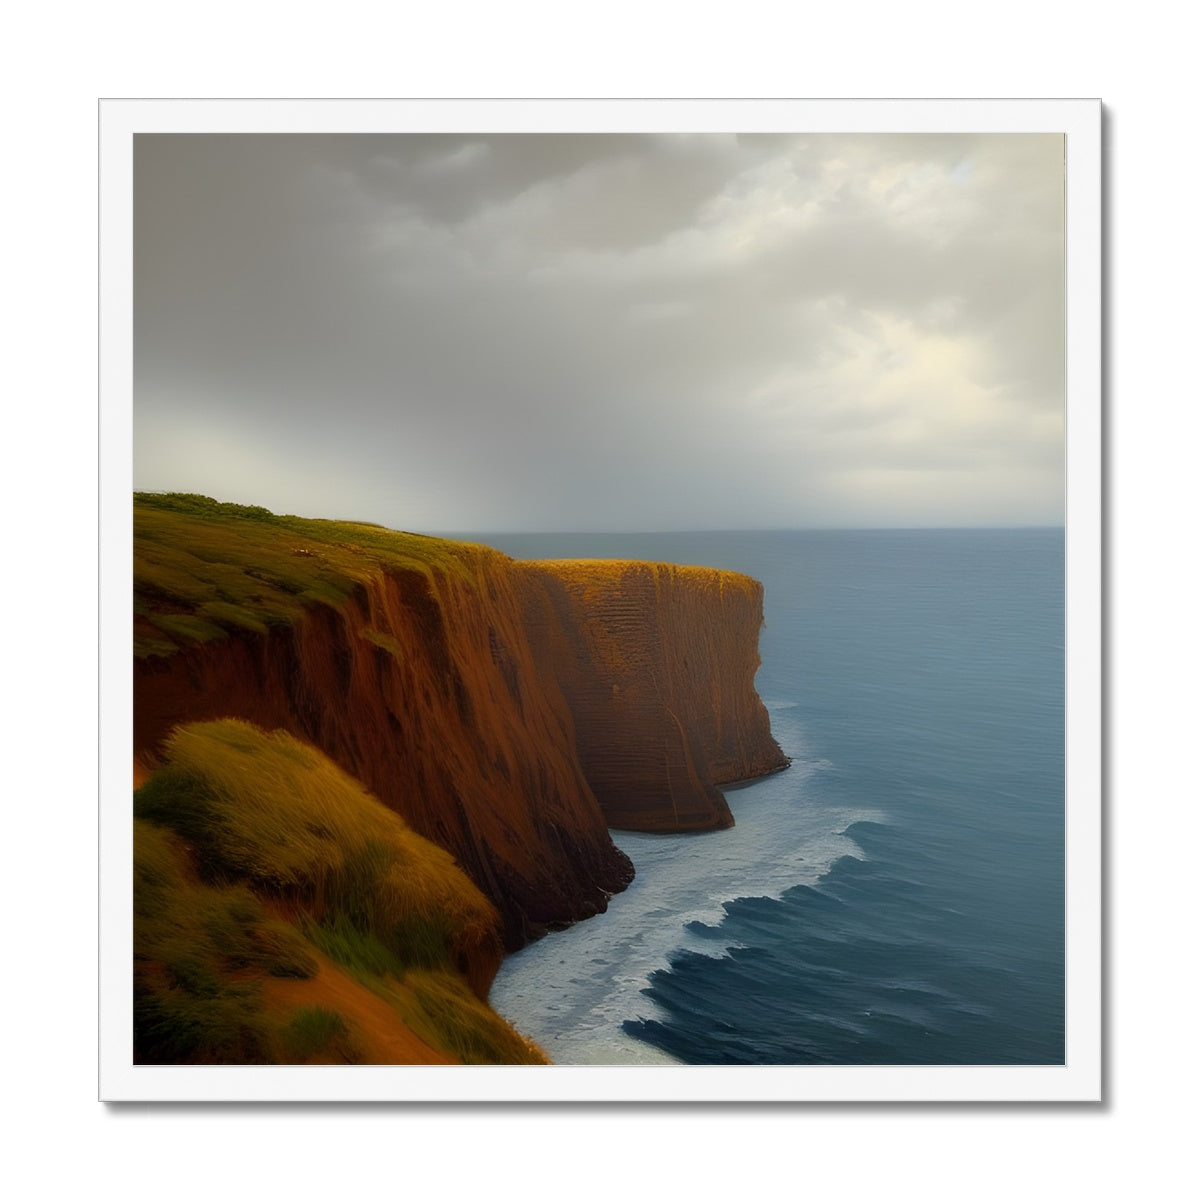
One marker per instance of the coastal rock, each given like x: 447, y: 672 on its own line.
x: 657, y: 663
x: 510, y: 712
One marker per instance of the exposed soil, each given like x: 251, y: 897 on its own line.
x: 376, y: 1029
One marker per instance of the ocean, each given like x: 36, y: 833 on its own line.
x: 895, y: 896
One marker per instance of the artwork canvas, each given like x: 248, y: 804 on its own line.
x: 601, y: 624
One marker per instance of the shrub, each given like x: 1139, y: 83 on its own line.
x: 189, y: 937
x: 276, y: 813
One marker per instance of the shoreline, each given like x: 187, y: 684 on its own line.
x: 573, y: 990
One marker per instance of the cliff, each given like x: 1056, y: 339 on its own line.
x: 657, y: 663
x: 509, y: 712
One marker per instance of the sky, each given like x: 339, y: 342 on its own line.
x: 604, y: 332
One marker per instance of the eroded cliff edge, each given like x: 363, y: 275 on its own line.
x: 509, y: 712
x: 657, y: 663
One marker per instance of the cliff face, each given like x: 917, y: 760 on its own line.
x: 657, y: 663
x: 508, y: 711
x: 423, y: 687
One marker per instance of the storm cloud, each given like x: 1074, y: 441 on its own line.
x: 511, y: 332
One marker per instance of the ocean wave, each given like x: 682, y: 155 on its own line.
x: 574, y: 990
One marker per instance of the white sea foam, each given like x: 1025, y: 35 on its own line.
x: 572, y: 990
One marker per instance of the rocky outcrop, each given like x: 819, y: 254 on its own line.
x: 657, y: 663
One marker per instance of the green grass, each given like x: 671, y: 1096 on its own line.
x: 198, y: 952
x: 173, y: 1025
x: 185, y: 628
x: 195, y: 928
x: 203, y: 569
x: 318, y: 1032
x: 448, y: 1014
x: 359, y: 952
x: 384, y: 641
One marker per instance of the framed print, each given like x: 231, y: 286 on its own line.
x: 615, y: 600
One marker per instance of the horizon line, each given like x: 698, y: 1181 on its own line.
x: 447, y: 533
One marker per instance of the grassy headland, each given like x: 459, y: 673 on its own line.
x: 257, y: 861
x: 203, y: 569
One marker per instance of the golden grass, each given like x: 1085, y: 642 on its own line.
x: 598, y: 575
x: 274, y: 811
x: 199, y: 951
x: 239, y: 825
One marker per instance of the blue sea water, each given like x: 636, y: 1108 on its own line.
x: 895, y: 896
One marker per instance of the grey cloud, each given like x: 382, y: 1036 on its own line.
x: 506, y: 331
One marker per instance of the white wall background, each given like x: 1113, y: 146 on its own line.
x: 60, y: 59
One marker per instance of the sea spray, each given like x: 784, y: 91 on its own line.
x: 573, y: 991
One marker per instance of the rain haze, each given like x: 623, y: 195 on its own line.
x: 603, y: 332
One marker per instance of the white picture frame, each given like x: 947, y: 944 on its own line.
x: 1079, y: 1079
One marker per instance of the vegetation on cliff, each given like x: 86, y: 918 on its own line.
x: 204, y: 570
x: 257, y: 861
